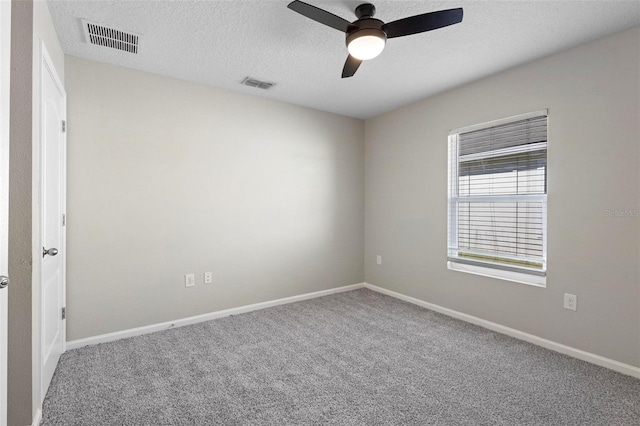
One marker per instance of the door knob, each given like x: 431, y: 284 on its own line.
x: 50, y: 252
x: 4, y: 281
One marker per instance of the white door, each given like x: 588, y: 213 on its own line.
x: 5, y: 53
x: 53, y: 155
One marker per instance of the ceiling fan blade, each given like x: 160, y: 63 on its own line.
x: 319, y: 15
x: 350, y: 66
x: 421, y: 23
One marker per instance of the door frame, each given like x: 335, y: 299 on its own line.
x: 47, y: 66
x: 5, y: 69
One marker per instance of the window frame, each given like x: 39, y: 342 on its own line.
x: 536, y: 277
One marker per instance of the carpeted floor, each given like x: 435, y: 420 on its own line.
x: 356, y: 358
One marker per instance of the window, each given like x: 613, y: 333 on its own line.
x: 498, y: 199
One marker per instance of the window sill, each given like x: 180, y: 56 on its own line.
x: 517, y: 277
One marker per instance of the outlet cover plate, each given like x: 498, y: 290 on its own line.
x: 570, y: 301
x: 189, y: 280
x: 208, y: 277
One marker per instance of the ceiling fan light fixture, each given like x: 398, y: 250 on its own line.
x: 367, y: 36
x: 366, y: 43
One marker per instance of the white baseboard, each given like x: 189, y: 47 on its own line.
x: 109, y: 337
x: 37, y: 418
x: 548, y: 344
x: 554, y: 346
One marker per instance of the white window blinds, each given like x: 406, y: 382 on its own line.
x: 497, y: 195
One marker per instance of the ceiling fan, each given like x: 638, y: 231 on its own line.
x: 367, y: 36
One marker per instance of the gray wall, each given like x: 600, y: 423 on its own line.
x: 20, y: 203
x: 593, y: 96
x: 167, y: 177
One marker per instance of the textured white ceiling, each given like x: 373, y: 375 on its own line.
x: 219, y: 43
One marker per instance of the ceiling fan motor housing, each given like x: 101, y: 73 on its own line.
x: 366, y: 27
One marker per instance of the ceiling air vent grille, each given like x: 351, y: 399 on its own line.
x: 101, y: 35
x: 252, y: 82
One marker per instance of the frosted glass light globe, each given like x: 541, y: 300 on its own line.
x: 366, y: 47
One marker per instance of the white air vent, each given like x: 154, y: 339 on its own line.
x: 252, y: 82
x: 102, y: 35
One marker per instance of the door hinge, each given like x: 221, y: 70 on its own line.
x: 64, y: 220
x: 64, y: 313
x: 64, y: 126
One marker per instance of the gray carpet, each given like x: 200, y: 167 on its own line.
x: 356, y: 358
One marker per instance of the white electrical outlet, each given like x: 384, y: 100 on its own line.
x: 189, y: 280
x: 570, y: 301
x: 208, y: 277
x: 379, y: 260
